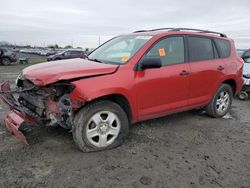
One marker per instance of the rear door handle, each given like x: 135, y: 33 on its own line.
x: 184, y: 73
x: 220, y: 68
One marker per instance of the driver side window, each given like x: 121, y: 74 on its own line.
x: 169, y: 50
x: 67, y: 53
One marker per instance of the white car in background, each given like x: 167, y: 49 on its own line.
x: 244, y: 94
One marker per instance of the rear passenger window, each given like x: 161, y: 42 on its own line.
x: 200, y: 49
x: 223, y: 47
x: 169, y: 50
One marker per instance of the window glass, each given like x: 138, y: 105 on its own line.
x: 120, y: 49
x: 67, y: 53
x: 169, y: 50
x: 200, y: 49
x: 223, y: 47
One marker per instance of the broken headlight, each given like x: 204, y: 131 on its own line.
x: 19, y: 80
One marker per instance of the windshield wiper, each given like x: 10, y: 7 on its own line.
x: 96, y: 60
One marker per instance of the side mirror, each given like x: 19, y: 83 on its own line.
x: 150, y: 63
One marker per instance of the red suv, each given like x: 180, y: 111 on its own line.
x: 130, y: 78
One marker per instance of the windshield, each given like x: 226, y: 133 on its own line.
x: 119, y: 50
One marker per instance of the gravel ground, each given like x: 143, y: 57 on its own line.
x: 187, y: 149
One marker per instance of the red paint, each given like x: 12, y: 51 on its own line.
x: 50, y: 72
x: 151, y: 93
x: 13, y: 121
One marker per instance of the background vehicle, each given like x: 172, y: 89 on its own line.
x: 7, y: 57
x: 244, y: 94
x: 68, y: 54
x: 240, y: 52
x: 135, y: 77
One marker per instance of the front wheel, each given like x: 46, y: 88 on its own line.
x: 221, y: 102
x: 100, y: 125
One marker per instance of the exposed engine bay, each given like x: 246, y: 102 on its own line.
x: 49, y: 94
x: 50, y: 103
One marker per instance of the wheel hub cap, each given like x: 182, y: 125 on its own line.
x: 222, y: 102
x: 103, y: 128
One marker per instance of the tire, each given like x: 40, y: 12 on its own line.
x: 102, y: 135
x: 6, y: 61
x: 243, y: 95
x: 221, y: 102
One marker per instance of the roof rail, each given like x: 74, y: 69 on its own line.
x: 139, y: 31
x: 184, y: 29
x: 199, y: 30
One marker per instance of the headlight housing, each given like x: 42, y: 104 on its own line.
x: 18, y: 80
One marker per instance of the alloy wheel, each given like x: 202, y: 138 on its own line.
x: 222, y: 102
x: 103, y: 128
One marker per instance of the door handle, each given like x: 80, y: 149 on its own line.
x: 220, y: 68
x: 184, y: 73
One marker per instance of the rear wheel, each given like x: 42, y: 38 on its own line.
x: 6, y: 61
x: 221, y: 102
x: 100, y: 125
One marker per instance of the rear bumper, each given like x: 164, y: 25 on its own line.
x: 16, y: 121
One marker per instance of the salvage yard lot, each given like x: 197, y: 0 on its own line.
x: 187, y: 149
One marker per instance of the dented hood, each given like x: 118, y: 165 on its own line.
x: 50, y: 72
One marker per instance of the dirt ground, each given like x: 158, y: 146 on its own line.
x: 187, y: 149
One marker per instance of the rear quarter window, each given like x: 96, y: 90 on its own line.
x: 223, y: 47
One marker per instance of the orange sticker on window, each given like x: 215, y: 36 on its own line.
x: 125, y: 58
x: 162, y: 52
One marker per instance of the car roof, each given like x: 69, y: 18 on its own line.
x: 185, y: 31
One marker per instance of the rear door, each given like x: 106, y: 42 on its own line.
x: 206, y: 69
x: 164, y: 89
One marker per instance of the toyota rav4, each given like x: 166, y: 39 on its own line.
x: 130, y: 78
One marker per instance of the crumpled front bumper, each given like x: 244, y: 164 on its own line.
x: 16, y: 121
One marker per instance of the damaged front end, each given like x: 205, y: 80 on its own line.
x: 47, y: 105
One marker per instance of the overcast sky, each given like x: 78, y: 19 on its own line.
x: 80, y: 22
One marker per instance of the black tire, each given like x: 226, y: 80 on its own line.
x: 212, y: 107
x: 243, y: 95
x: 83, y: 117
x: 6, y: 61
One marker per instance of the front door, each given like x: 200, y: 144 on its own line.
x: 164, y: 89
